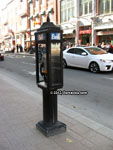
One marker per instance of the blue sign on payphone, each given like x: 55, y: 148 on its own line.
x: 55, y: 36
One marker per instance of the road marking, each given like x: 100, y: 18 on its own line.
x: 9, y: 56
x: 28, y: 63
x: 32, y: 73
x: 108, y: 78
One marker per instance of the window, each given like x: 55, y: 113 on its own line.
x: 90, y: 7
x: 111, y: 5
x: 69, y: 13
x: 67, y: 10
x: 81, y: 10
x: 72, y: 51
x: 79, y: 51
x: 85, y: 7
x: 36, y: 3
x: 105, y: 6
x: 96, y: 51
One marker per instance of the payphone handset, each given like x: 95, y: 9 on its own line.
x: 42, y: 62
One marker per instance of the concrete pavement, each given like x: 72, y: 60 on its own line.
x: 21, y: 109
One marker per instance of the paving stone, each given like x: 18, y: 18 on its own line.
x: 19, y: 114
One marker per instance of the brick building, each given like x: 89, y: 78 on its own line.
x: 20, y: 19
x: 83, y: 21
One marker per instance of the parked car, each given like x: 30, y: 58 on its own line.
x: 1, y: 55
x: 93, y: 58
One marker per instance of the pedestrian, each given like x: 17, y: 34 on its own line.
x: 103, y: 45
x: 107, y: 46
x: 12, y: 48
x: 64, y: 45
x: 17, y: 47
x: 110, y: 48
x: 99, y: 45
x: 21, y: 48
x: 87, y: 44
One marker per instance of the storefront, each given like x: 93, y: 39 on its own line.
x: 85, y: 35
x: 105, y: 36
x: 68, y: 34
x: 69, y: 38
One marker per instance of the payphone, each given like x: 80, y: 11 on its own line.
x: 49, y: 72
x: 49, y: 75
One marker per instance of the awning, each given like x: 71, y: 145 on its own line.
x: 103, y: 26
x: 50, y: 10
x: 100, y: 33
x: 68, y: 31
x: 36, y: 15
x: 28, y: 40
x: 30, y: 1
x: 31, y: 17
x: 7, y: 37
x: 42, y: 12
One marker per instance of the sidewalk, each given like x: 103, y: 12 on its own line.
x: 20, y: 111
x: 21, y: 53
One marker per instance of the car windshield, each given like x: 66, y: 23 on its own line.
x: 95, y: 50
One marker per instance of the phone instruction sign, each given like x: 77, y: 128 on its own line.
x: 55, y: 36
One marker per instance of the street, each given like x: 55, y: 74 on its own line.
x: 96, y: 105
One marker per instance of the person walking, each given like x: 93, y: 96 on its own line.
x: 21, y: 48
x: 17, y: 47
x: 110, y: 48
x: 103, y: 45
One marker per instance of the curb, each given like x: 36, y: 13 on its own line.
x: 105, y: 131
x: 24, y: 54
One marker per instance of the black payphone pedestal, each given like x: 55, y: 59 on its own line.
x: 50, y: 125
x: 49, y: 75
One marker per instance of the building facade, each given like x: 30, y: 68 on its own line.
x: 20, y: 19
x: 104, y: 26
x: 83, y: 22
x: 89, y: 23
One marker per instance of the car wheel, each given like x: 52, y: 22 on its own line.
x: 94, y: 67
x: 64, y: 63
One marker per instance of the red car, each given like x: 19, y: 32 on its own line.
x: 1, y: 55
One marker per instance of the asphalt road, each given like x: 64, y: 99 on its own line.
x: 97, y: 104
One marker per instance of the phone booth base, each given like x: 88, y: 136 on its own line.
x: 50, y: 125
x: 50, y: 130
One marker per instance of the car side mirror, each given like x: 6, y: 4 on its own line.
x: 84, y: 54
